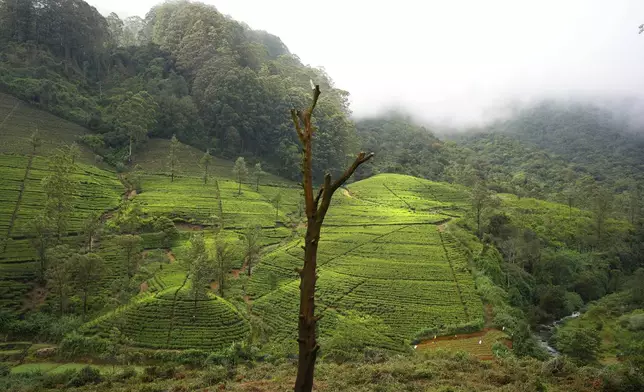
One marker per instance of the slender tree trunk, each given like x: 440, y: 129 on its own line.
x: 129, y: 157
x: 257, y: 185
x: 84, y: 303
x: 277, y: 211
x: 316, y: 209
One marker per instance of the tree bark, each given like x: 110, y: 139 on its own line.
x: 84, y: 303
x: 316, y: 209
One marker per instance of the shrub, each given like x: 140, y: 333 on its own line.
x: 5, y: 370
x: 579, y: 343
x: 54, y: 380
x: 75, y: 344
x: 87, y: 375
x: 558, y: 366
x: 125, y: 374
x: 215, y: 375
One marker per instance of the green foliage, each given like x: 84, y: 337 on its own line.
x: 173, y: 157
x: 168, y: 229
x: 59, y: 187
x: 401, y: 146
x: 240, y: 171
x: 580, y: 343
x: 131, y: 248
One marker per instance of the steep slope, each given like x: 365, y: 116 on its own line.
x: 22, y: 197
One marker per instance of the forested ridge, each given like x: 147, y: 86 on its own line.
x: 152, y: 214
x: 185, y: 69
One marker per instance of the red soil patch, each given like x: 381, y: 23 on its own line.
x: 460, y: 336
x: 214, y: 286
x: 235, y: 273
x: 144, y: 287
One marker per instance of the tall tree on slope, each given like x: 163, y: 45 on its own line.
x: 316, y: 209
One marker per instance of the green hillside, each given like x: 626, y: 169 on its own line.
x: 172, y: 319
x: 22, y: 197
x: 19, y: 119
x: 379, y: 256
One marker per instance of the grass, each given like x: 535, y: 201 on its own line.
x: 56, y: 368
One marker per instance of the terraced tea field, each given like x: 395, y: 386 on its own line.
x: 187, y: 198
x: 380, y: 258
x: 382, y: 253
x: 22, y: 198
x: 172, y: 319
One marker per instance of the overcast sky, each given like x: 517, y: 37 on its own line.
x: 453, y: 61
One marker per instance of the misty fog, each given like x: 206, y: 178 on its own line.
x: 456, y: 63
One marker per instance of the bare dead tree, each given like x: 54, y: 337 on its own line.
x: 316, y: 209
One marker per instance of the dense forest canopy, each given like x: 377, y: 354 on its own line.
x: 210, y: 80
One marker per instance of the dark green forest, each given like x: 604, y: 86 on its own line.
x: 185, y: 69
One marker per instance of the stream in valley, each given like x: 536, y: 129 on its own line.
x: 544, y: 332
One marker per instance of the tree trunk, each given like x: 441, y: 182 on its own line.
x: 308, y: 346
x: 316, y: 209
x: 257, y: 185
x: 84, y: 304
x: 129, y: 157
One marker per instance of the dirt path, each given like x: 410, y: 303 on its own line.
x: 10, y: 113
x: 170, y: 255
x: 14, y: 215
x: 346, y: 192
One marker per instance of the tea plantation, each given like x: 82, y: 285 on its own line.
x: 383, y: 251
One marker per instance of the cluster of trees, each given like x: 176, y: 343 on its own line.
x: 401, y: 146
x: 206, y: 265
x: 70, y: 267
x: 184, y: 70
x: 549, y: 151
x: 551, y: 277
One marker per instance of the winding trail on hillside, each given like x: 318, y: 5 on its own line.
x: 10, y: 114
x: 17, y: 206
